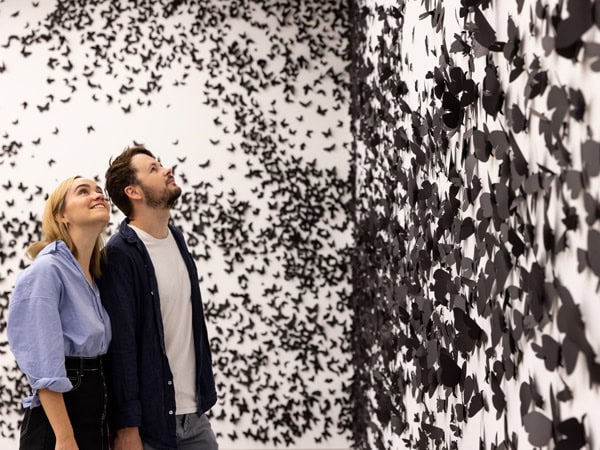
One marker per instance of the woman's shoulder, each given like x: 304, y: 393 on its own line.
x: 52, y: 254
x: 49, y: 259
x: 40, y: 279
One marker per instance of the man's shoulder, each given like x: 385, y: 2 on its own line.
x: 122, y: 244
x: 115, y: 239
x: 120, y: 253
x: 123, y: 235
x: 176, y: 229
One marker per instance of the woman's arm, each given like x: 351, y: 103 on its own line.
x: 56, y: 411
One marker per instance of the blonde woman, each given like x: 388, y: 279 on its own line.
x: 58, y: 329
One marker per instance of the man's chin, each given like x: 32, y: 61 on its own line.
x: 175, y: 194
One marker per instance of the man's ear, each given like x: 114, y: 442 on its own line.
x: 132, y: 192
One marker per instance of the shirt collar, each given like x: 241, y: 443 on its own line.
x: 56, y: 247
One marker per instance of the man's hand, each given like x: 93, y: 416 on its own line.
x: 128, y: 439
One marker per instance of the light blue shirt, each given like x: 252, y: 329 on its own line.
x: 54, y: 312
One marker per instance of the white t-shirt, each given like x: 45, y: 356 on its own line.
x: 175, y: 292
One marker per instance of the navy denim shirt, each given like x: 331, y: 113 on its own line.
x: 140, y: 379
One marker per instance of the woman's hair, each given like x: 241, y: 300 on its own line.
x: 120, y: 174
x: 54, y: 230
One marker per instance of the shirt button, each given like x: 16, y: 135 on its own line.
x: 171, y: 412
x: 169, y: 382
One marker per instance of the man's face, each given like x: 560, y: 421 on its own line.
x: 156, y: 182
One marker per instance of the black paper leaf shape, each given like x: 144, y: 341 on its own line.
x: 590, y: 156
x: 557, y: 101
x: 538, y: 427
x: 570, y: 30
x: 484, y: 34
x: 537, y: 295
x: 592, y: 208
x: 565, y: 395
x: 574, y: 431
x: 492, y: 96
x: 549, y: 351
x: 593, y: 251
x: 449, y: 372
x: 518, y: 120
x: 477, y: 403
x: 498, y: 397
x: 452, y: 112
x: 577, y: 101
x: 528, y: 394
x: 536, y: 84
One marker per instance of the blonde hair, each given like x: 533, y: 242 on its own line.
x: 54, y: 230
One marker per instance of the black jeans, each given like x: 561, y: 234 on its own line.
x: 86, y: 406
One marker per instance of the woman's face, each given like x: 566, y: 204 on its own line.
x: 85, y: 204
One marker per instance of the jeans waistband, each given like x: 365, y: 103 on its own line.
x: 83, y: 363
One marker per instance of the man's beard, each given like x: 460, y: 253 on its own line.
x: 165, y: 201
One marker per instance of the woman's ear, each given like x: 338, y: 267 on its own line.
x: 60, y: 218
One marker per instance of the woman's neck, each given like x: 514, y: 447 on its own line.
x: 84, y: 241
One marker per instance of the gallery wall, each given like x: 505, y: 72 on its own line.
x: 393, y: 205
x: 249, y: 101
x: 476, y: 269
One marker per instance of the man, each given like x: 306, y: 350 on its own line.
x: 160, y: 375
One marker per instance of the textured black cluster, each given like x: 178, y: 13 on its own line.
x: 451, y: 259
x: 278, y: 355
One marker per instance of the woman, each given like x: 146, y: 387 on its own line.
x: 57, y: 327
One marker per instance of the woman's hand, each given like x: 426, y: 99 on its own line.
x: 56, y: 411
x: 67, y: 443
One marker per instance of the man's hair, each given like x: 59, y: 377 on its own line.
x: 120, y: 174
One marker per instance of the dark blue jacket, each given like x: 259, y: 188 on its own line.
x: 141, y: 392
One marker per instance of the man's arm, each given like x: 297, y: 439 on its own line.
x: 128, y: 439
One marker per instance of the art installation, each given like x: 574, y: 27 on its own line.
x: 477, y: 163
x: 393, y: 205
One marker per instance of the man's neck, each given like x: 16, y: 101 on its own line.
x: 155, y: 222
